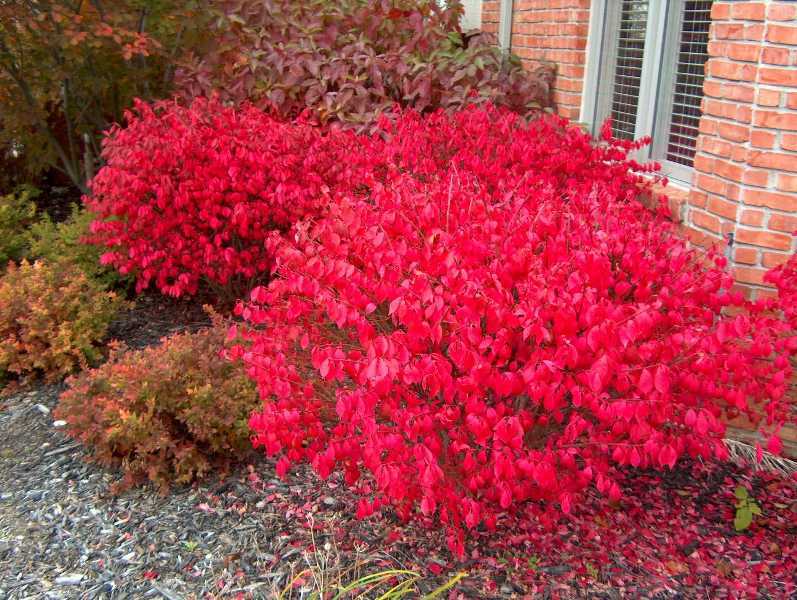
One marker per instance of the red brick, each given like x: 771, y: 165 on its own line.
x: 774, y: 160
x: 742, y: 52
x: 722, y: 208
x: 728, y: 170
x: 767, y: 239
x: 768, y: 97
x: 747, y: 256
x: 698, y: 199
x: 788, y: 141
x: 705, y: 221
x: 726, y: 69
x: 757, y: 177
x: 711, y: 184
x: 787, y: 183
x: 720, y: 11
x: 733, y: 132
x: 782, y: 11
x: 782, y: 34
x: 774, y: 119
x: 750, y: 11
x: 704, y: 163
x: 774, y: 259
x: 776, y: 56
x: 762, y: 139
x: 752, y: 217
x: 782, y: 223
x: 777, y: 76
x: 791, y: 100
x: 749, y: 275
x: 775, y: 200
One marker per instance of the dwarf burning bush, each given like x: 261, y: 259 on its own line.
x: 189, y: 194
x: 498, y: 320
x: 346, y: 62
x: 167, y: 413
x: 52, y: 319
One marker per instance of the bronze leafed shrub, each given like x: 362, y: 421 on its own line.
x: 52, y: 319
x: 167, y: 413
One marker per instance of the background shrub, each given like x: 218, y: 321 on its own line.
x: 67, y: 241
x: 69, y: 69
x: 190, y: 194
x: 495, y: 319
x: 17, y: 212
x: 52, y: 319
x: 166, y: 413
x: 350, y: 61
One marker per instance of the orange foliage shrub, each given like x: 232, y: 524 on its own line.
x: 166, y: 413
x: 52, y: 318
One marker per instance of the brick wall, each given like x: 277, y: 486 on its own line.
x: 745, y: 179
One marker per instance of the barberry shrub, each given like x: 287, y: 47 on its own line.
x: 17, y: 212
x: 168, y: 413
x: 346, y: 62
x: 189, y: 194
x: 53, y: 319
x: 495, y: 319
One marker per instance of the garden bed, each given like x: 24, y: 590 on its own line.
x: 64, y: 535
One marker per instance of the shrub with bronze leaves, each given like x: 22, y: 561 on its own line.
x: 496, y: 320
x: 348, y: 61
x: 53, y: 319
x: 168, y: 413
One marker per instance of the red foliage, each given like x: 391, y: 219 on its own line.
x: 494, y: 318
x: 191, y: 193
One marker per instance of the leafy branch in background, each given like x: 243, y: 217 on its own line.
x: 69, y: 69
x: 347, y: 62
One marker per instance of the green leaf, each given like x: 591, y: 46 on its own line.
x: 755, y: 509
x: 741, y: 493
x: 743, y: 518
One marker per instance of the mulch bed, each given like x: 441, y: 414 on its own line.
x: 64, y: 535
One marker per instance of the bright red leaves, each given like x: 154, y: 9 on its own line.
x: 192, y: 194
x: 493, y: 318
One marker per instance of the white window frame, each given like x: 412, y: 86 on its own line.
x: 656, y: 80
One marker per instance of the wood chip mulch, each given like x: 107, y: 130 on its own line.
x: 64, y: 535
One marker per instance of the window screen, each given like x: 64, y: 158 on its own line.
x: 691, y: 58
x: 630, y: 51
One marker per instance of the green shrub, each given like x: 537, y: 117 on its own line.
x: 17, y: 212
x: 65, y: 242
x: 166, y: 413
x: 52, y: 319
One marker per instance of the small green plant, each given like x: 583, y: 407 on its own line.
x: 534, y: 563
x: 65, y: 241
x: 746, y: 507
x: 17, y: 212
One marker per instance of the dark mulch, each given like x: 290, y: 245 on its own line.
x: 63, y: 535
x: 154, y: 316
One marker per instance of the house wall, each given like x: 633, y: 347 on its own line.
x: 745, y: 172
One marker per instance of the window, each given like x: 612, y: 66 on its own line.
x: 646, y: 73
x: 472, y: 19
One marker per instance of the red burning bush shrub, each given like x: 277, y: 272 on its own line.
x: 190, y: 193
x: 494, y: 319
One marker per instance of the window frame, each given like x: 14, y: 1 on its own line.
x: 657, y: 79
